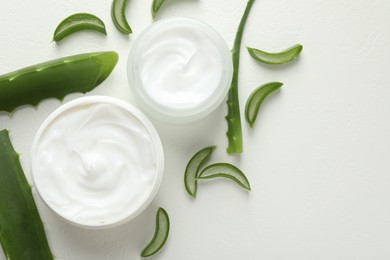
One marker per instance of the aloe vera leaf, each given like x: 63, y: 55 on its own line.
x: 193, y: 169
x: 256, y: 99
x: 233, y: 118
x: 160, y: 234
x: 78, y: 22
x: 282, y: 57
x: 156, y: 5
x: 57, y: 78
x: 118, y: 16
x: 225, y: 170
x: 22, y: 234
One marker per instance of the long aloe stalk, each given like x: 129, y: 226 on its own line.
x: 22, y: 235
x: 56, y: 78
x: 233, y: 117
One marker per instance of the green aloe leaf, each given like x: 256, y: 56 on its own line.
x: 256, y: 99
x: 225, y: 170
x: 156, y: 5
x: 193, y: 169
x: 55, y: 79
x: 233, y: 118
x: 282, y: 57
x: 78, y: 22
x: 22, y: 234
x: 160, y: 235
x: 118, y: 16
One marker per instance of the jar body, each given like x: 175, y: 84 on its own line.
x: 97, y: 162
x: 179, y: 69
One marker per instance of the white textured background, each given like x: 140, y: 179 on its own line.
x: 317, y: 159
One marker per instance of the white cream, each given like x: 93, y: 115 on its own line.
x: 180, y: 68
x: 95, y: 164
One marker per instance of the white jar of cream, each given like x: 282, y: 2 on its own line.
x: 97, y: 162
x: 179, y: 69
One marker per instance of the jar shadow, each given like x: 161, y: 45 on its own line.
x: 110, y: 243
x: 182, y: 135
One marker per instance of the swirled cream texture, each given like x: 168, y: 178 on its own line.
x: 180, y: 66
x: 95, y: 164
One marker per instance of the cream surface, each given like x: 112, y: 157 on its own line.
x: 180, y: 66
x: 95, y: 164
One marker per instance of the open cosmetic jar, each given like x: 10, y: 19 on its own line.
x: 97, y: 162
x: 179, y: 70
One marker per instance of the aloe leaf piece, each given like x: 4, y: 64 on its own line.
x: 256, y: 99
x: 56, y: 78
x: 233, y: 118
x: 78, y: 22
x: 193, y: 169
x: 225, y: 170
x: 156, y: 5
x: 118, y: 16
x: 22, y: 234
x: 282, y: 57
x: 160, y: 235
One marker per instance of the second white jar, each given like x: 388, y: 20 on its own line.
x: 179, y: 69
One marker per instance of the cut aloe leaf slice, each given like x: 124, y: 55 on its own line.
x: 156, y: 5
x: 160, y: 235
x: 22, y: 235
x: 225, y: 170
x: 256, y: 99
x: 118, y: 15
x: 193, y: 169
x: 76, y: 23
x: 282, y: 57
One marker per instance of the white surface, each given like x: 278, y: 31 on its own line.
x: 317, y: 158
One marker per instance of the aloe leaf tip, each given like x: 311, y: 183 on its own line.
x: 109, y: 59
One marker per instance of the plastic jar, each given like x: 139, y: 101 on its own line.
x: 179, y: 69
x: 97, y: 162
